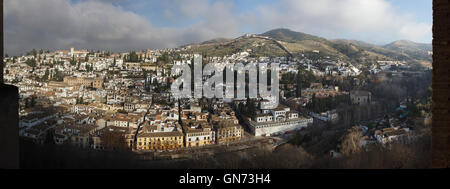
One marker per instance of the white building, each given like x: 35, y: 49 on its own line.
x: 328, y: 116
x: 277, y: 121
x: 388, y: 135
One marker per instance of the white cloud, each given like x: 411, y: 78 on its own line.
x: 415, y: 31
x: 95, y: 25
x: 332, y: 18
x: 192, y: 8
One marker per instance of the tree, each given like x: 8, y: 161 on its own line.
x: 58, y: 76
x: 46, y: 75
x: 313, y: 104
x: 89, y: 67
x: 32, y: 101
x: 164, y: 58
x: 304, y: 77
x: 78, y: 65
x: 31, y: 62
x: 33, y: 52
x: 351, y: 143
x: 49, y: 137
x: 80, y: 100
x: 73, y: 62
x: 132, y: 57
x: 251, y: 108
x: 298, y: 91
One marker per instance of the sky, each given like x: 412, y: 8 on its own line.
x: 126, y: 25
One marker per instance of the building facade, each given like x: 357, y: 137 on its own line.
x: 87, y: 82
x: 228, y: 131
x: 198, y: 133
x: 160, y: 141
x: 277, y: 121
x: 360, y: 97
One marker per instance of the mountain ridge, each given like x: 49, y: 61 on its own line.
x: 285, y: 42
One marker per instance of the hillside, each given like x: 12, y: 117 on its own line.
x: 217, y: 40
x: 359, y: 51
x: 290, y: 36
x: 255, y: 46
x: 285, y: 42
x: 414, y: 50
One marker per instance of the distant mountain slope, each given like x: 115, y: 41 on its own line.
x: 360, y: 51
x: 255, y: 46
x: 301, y: 43
x: 284, y: 42
x: 216, y: 40
x: 414, y: 50
x: 408, y: 45
x: 287, y: 35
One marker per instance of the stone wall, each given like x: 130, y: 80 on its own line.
x: 9, y: 116
x: 9, y: 127
x: 441, y: 84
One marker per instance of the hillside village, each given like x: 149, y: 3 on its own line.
x: 121, y: 101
